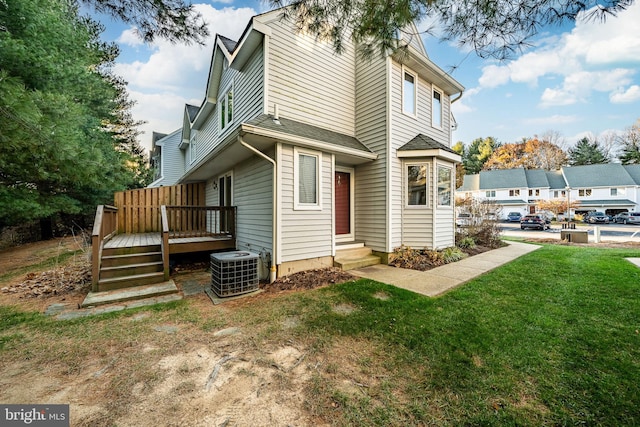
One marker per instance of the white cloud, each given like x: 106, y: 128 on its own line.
x: 578, y: 58
x: 170, y: 75
x: 130, y: 38
x: 632, y: 94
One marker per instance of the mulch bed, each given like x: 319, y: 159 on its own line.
x: 309, y: 279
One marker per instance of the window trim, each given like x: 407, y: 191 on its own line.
x: 489, y: 194
x: 193, y: 146
x: 297, y: 205
x: 514, y: 192
x: 435, y: 89
x: 406, y: 71
x: 427, y: 165
x: 438, y: 167
x: 223, y: 101
x: 584, y: 192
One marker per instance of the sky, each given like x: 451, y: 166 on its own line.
x: 581, y: 79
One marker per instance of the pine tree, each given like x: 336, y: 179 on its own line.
x: 586, y: 152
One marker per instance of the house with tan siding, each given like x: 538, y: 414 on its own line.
x: 323, y: 153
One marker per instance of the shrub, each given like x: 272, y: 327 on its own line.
x: 466, y: 242
x: 452, y: 254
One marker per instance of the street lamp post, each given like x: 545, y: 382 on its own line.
x: 568, y: 204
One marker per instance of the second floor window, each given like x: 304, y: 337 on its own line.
x: 490, y: 193
x: 193, y: 147
x: 409, y: 85
x: 557, y: 194
x: 584, y: 192
x: 515, y: 192
x: 226, y: 109
x: 436, y: 109
x: 535, y: 192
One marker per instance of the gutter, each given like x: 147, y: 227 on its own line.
x: 272, y: 272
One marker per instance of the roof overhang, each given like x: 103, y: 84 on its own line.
x: 436, y: 152
x: 344, y: 155
x: 413, y: 59
x: 603, y: 203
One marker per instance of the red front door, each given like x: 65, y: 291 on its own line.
x: 343, y: 202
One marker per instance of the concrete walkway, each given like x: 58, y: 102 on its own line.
x: 440, y: 279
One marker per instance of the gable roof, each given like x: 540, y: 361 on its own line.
x: 556, y: 180
x: 604, y: 175
x: 192, y: 111
x: 536, y: 178
x: 634, y: 172
x: 424, y: 142
x: 503, y: 178
x: 228, y: 43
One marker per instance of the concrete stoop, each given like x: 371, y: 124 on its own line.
x: 352, y: 258
x: 94, y: 299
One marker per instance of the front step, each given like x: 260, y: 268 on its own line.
x: 352, y: 258
x: 129, y: 281
x: 128, y: 294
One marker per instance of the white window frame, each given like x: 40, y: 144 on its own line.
x: 406, y: 71
x: 297, y: 205
x: 450, y: 204
x: 223, y: 105
x: 426, y: 184
x: 193, y: 147
x: 585, y: 192
x: 434, y: 90
x: 490, y: 193
x: 514, y: 192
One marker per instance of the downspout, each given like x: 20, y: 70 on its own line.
x: 273, y: 271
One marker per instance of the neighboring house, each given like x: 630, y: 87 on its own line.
x: 319, y: 150
x: 166, y: 159
x: 609, y: 188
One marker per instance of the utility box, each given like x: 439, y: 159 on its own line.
x: 574, y: 236
x: 234, y: 273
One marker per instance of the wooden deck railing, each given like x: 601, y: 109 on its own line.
x: 104, y: 227
x: 165, y: 241
x: 201, y: 221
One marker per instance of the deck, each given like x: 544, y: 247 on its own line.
x: 177, y: 244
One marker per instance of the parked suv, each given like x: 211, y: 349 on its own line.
x: 628, y: 218
x: 534, y: 221
x: 596, y: 217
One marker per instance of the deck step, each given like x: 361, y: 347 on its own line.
x: 130, y: 259
x: 130, y: 250
x: 128, y: 294
x: 131, y: 269
x: 130, y: 281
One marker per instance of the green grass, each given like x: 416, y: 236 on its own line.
x: 549, y: 339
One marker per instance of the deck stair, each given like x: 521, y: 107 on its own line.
x: 125, y: 267
x: 355, y: 255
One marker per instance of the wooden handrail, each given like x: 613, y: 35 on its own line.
x: 104, y: 228
x: 200, y: 221
x: 164, y: 224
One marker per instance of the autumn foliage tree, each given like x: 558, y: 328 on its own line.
x: 530, y: 154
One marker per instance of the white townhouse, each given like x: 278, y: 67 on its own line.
x: 319, y: 151
x: 609, y: 188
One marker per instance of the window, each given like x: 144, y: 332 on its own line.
x: 618, y: 191
x: 193, y: 147
x: 444, y: 186
x: 436, y: 109
x: 490, y: 193
x: 584, y: 192
x: 409, y: 93
x: 226, y: 109
x: 307, y: 186
x: 614, y: 191
x: 417, y: 185
x: 557, y: 194
x: 535, y: 192
x: 515, y: 192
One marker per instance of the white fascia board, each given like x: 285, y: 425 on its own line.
x: 205, y: 110
x: 436, y: 152
x: 306, y: 142
x: 436, y: 74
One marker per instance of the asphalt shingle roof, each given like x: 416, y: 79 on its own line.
x: 503, y: 178
x: 424, y: 142
x: 556, y: 180
x: 292, y: 127
x: 228, y: 43
x: 605, y: 175
x: 536, y: 178
x: 192, y: 111
x: 634, y: 172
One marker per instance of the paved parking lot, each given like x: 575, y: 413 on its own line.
x: 608, y: 232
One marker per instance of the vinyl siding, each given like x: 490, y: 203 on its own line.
x: 371, y: 130
x: 309, y: 82
x: 252, y: 194
x: 247, y: 103
x: 172, y: 160
x: 305, y: 233
x: 409, y: 226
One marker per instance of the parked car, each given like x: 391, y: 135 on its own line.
x: 514, y: 217
x: 534, y: 221
x: 628, y: 218
x: 596, y: 218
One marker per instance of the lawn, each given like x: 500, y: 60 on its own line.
x: 549, y: 339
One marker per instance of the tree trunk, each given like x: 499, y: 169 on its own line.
x: 46, y: 228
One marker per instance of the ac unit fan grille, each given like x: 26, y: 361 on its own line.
x: 234, y: 273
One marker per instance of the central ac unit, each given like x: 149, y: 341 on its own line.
x: 234, y: 273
